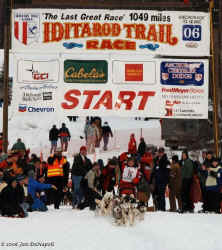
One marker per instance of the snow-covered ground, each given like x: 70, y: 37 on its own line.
x: 69, y: 229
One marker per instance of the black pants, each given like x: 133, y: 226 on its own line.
x: 159, y: 195
x: 185, y: 195
x: 90, y: 196
x: 212, y: 201
x: 57, y: 194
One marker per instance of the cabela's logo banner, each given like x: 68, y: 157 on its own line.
x: 84, y: 30
x: 78, y: 71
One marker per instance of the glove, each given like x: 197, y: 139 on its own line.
x: 54, y: 187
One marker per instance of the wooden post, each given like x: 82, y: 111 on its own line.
x: 7, y: 31
x: 214, y: 84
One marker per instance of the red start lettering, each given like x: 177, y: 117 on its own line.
x: 125, y: 99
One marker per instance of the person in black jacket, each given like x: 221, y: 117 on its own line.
x: 81, y: 165
x: 160, y: 178
x: 106, y: 133
x: 142, y: 147
x: 65, y: 136
x: 53, y: 138
x: 9, y: 200
x: 24, y: 201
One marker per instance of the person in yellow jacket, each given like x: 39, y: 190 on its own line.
x: 55, y: 176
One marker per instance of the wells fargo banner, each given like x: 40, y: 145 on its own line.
x: 111, y: 86
x: 111, y: 31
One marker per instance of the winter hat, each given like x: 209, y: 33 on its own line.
x: 20, y: 177
x: 161, y: 150
x: 175, y: 158
x: 83, y: 148
x: 10, y: 180
x: 112, y: 162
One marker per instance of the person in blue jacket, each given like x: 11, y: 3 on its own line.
x: 33, y: 188
x: 213, y: 187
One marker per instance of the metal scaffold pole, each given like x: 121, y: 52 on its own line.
x: 7, y: 27
x: 214, y: 84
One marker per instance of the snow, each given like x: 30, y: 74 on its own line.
x: 83, y: 230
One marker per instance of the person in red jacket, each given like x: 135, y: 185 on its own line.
x: 132, y: 148
x: 147, y: 158
x: 130, y: 177
x: 110, y: 176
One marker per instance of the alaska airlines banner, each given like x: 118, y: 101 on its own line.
x: 111, y: 31
x: 70, y: 84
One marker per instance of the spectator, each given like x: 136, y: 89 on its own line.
x: 87, y: 125
x: 142, y: 147
x: 143, y: 187
x: 22, y: 196
x: 65, y: 136
x: 110, y: 176
x: 175, y: 184
x: 92, y: 137
x: 187, y: 178
x: 53, y: 138
x: 89, y: 186
x: 33, y: 188
x: 55, y: 176
x: 9, y: 201
x: 106, y: 134
x: 81, y: 165
x: 213, y: 187
x: 160, y: 178
x: 132, y: 149
x: 19, y: 146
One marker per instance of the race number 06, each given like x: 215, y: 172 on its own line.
x: 192, y: 33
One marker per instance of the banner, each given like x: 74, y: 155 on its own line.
x: 36, y: 83
x: 111, y: 31
x: 88, y: 85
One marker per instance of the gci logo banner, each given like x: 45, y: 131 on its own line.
x: 37, y: 72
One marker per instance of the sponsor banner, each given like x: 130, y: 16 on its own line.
x: 38, y: 72
x: 182, y: 73
x: 79, y: 71
x: 111, y: 31
x: 36, y: 83
x: 125, y: 88
x: 23, y: 108
x: 125, y: 72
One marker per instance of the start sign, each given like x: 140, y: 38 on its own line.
x: 125, y: 99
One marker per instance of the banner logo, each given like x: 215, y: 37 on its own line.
x: 24, y: 108
x: 134, y: 72
x: 26, y: 28
x: 82, y: 71
x: 38, y: 71
x: 182, y: 73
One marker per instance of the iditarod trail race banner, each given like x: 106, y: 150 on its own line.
x: 111, y: 31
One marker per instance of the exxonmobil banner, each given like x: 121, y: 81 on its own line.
x: 113, y: 86
x: 111, y: 31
